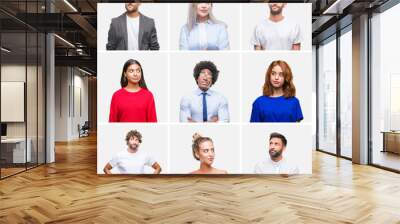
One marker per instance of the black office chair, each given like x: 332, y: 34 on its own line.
x: 84, y: 130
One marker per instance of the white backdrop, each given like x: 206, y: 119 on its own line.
x: 226, y: 144
x: 254, y: 13
x: 110, y: 64
x: 229, y: 13
x: 254, y: 66
x: 183, y: 83
x: 111, y: 140
x: 169, y: 76
x: 255, y: 145
x: 158, y: 12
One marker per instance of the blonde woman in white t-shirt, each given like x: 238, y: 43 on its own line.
x: 132, y: 160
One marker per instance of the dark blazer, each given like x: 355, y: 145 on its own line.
x: 118, y: 35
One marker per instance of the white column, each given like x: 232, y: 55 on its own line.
x: 50, y: 100
x: 50, y: 92
x: 360, y: 90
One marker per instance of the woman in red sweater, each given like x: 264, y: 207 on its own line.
x: 133, y: 102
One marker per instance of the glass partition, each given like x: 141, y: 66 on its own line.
x: 346, y: 94
x: 13, y: 103
x: 22, y: 89
x: 385, y: 90
x: 31, y: 99
x: 327, y: 96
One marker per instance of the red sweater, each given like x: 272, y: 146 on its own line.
x: 132, y: 106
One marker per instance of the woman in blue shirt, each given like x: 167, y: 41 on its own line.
x: 202, y: 30
x: 278, y: 102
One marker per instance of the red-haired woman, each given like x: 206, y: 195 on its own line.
x: 278, y: 102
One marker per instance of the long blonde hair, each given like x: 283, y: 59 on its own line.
x: 192, y: 16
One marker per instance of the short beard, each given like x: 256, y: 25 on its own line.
x: 275, y: 154
x: 132, y: 11
x: 274, y: 13
x: 133, y: 148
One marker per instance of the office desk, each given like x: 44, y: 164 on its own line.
x: 13, y: 150
x: 391, y: 141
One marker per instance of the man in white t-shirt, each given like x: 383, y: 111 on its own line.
x: 132, y: 160
x: 276, y: 32
x: 276, y: 163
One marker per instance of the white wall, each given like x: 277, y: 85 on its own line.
x: 66, y: 81
x: 79, y: 118
x: 61, y: 103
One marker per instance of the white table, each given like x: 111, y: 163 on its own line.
x: 18, y: 149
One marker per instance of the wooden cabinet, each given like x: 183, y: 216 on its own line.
x: 391, y: 141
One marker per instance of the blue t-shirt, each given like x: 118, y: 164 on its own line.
x: 276, y: 109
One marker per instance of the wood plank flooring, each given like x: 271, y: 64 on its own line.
x: 70, y: 191
x: 9, y: 171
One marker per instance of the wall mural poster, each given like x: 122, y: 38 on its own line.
x: 204, y: 88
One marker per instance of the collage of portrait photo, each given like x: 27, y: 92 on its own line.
x: 204, y: 88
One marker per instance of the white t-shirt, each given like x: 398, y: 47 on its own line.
x: 132, y: 27
x: 131, y: 163
x: 269, y: 166
x: 276, y: 35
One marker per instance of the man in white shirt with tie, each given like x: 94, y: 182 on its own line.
x: 276, y: 163
x: 204, y: 104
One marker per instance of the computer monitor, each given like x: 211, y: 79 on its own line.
x: 3, y: 129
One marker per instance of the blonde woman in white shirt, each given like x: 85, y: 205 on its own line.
x: 202, y: 30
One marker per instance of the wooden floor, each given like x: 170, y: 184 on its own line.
x: 10, y: 171
x: 69, y: 191
x: 387, y: 159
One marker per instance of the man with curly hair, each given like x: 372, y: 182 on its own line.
x: 204, y: 104
x: 132, y: 160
